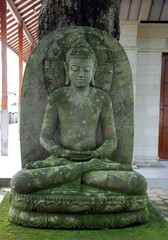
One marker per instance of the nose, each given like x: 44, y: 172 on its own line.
x: 81, y: 73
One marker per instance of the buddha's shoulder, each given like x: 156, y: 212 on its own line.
x: 100, y: 93
x: 59, y: 92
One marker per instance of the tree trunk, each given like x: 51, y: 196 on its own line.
x: 102, y: 14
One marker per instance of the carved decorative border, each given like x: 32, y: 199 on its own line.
x: 78, y: 204
x: 77, y: 221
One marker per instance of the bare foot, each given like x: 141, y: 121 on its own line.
x: 97, y: 164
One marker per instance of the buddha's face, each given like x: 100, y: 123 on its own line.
x: 81, y: 72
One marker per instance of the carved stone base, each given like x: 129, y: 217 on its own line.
x: 67, y: 207
x: 77, y: 221
x: 67, y: 204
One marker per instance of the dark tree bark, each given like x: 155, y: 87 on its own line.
x: 102, y: 14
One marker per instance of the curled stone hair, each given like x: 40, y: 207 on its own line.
x: 80, y: 49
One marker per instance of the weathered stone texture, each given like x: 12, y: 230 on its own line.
x: 45, y: 68
x: 87, y: 182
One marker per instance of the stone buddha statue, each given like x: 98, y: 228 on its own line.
x: 77, y: 109
x: 78, y: 112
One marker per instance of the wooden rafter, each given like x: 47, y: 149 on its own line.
x: 28, y: 12
x: 12, y: 36
x: 161, y: 9
x: 32, y: 14
x: 145, y: 10
x: 12, y: 40
x: 31, y: 19
x: 11, y: 30
x: 129, y: 9
x: 23, y: 10
x: 20, y: 30
x: 18, y: 19
x: 13, y: 25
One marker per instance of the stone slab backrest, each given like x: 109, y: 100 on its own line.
x: 45, y: 71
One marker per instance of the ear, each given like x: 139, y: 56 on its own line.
x: 67, y: 82
x: 94, y: 70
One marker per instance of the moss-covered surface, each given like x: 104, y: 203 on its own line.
x: 155, y: 229
x: 45, y: 73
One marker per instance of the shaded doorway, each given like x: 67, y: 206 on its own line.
x: 163, y: 124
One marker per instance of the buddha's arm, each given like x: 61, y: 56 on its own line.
x: 50, y: 123
x: 108, y: 128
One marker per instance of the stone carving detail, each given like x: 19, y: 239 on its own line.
x: 87, y: 181
x: 84, y: 221
x: 54, y: 63
x: 78, y: 204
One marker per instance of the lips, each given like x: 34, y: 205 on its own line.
x: 81, y: 80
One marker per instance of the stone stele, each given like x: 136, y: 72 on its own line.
x: 77, y: 136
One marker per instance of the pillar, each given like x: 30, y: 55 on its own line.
x: 4, y: 102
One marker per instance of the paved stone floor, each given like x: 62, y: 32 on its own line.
x: 158, y: 197
x: 3, y: 192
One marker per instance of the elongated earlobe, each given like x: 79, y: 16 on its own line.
x: 67, y: 81
x: 93, y: 79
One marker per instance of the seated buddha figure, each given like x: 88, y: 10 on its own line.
x: 76, y: 110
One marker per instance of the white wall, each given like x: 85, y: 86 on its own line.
x: 128, y: 39
x: 147, y: 101
x: 12, y: 77
x: 144, y: 47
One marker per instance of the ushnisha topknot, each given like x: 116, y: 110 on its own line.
x: 80, y: 49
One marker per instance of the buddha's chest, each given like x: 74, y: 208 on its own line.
x: 79, y: 110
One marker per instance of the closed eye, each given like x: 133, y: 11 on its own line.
x: 75, y: 68
x: 87, y: 69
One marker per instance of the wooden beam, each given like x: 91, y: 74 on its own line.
x: 31, y: 21
x: 28, y: 51
x: 20, y: 59
x: 124, y: 9
x: 12, y: 30
x: 10, y: 21
x: 4, y: 54
x: 161, y: 10
x: 25, y: 42
x: 11, y: 26
x: 32, y: 14
x: 12, y: 41
x: 9, y: 38
x: 18, y: 18
x: 20, y: 2
x: 15, y: 45
x: 129, y: 10
x: 31, y: 25
x: 12, y: 34
x: 25, y: 46
x: 29, y: 6
x: 145, y: 10
x: 4, y: 109
x: 34, y: 28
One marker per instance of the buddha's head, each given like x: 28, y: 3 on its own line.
x: 80, y: 65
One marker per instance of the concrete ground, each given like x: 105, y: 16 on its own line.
x: 159, y: 198
x: 157, y: 177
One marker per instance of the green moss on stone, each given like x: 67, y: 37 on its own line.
x: 155, y: 229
